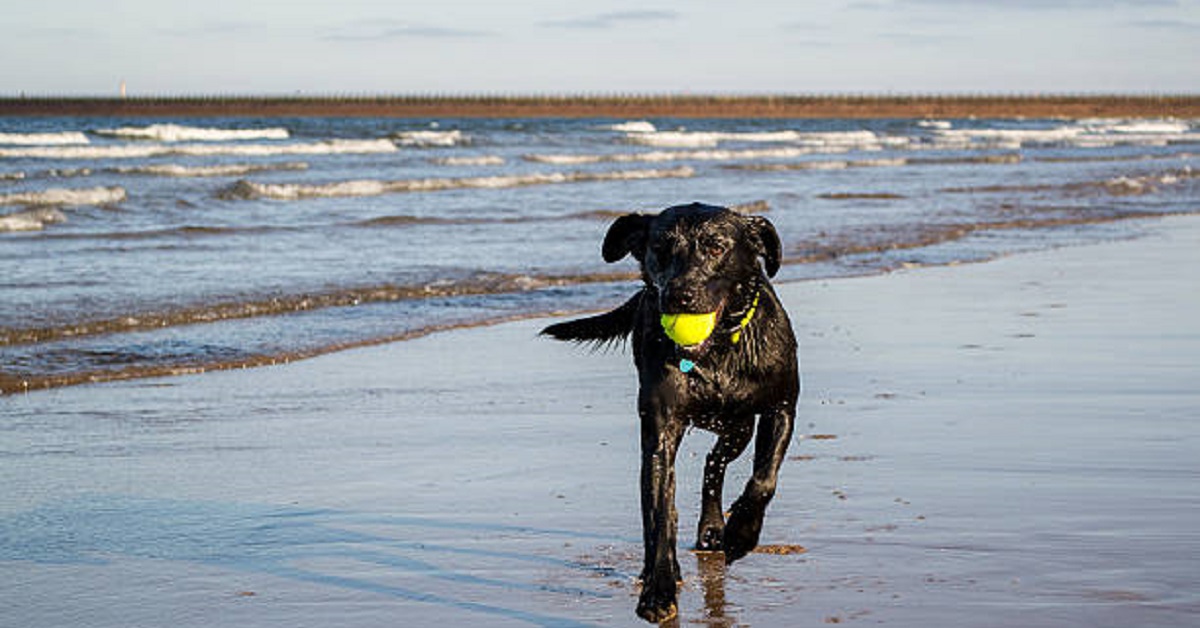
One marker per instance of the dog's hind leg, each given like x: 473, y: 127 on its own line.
x: 746, y: 514
x: 729, y: 446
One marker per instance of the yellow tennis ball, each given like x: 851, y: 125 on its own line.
x: 689, y: 329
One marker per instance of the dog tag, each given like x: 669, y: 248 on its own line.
x: 686, y: 365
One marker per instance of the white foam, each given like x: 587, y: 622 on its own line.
x: 675, y: 155
x: 67, y: 173
x: 1095, y: 133
x: 227, y: 170
x: 179, y: 133
x: 65, y: 196
x: 831, y: 164
x: 935, y: 124
x: 430, y: 138
x: 634, y: 126
x: 31, y: 219
x: 293, y: 191
x: 709, y: 139
x: 478, y: 160
x: 1008, y: 138
x: 136, y: 151
x: 1139, y: 127
x: 43, y: 139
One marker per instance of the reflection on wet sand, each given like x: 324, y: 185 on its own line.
x: 711, y: 569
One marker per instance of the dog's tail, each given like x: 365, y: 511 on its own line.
x: 600, y: 330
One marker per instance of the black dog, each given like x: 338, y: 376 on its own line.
x: 697, y: 259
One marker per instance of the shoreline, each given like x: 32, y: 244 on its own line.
x: 1016, y: 437
x: 18, y: 384
x: 617, y: 107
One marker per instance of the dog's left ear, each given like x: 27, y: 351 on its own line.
x: 767, y: 241
x: 626, y: 235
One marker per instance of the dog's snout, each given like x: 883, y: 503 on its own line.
x: 679, y: 299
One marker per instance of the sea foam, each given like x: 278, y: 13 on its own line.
x: 31, y: 219
x: 674, y: 155
x: 137, y: 151
x: 1085, y: 134
x: 475, y: 160
x: 634, y: 126
x: 66, y: 196
x: 370, y: 187
x: 226, y: 170
x: 43, y: 139
x: 709, y: 139
x: 430, y: 138
x: 179, y: 133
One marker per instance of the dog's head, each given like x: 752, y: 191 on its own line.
x: 696, y: 257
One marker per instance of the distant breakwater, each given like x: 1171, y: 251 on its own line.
x: 618, y: 106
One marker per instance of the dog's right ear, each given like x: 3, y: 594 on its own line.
x: 627, y: 235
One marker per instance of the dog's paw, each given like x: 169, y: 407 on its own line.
x: 657, y: 602
x: 710, y: 539
x: 656, y: 606
x: 741, y: 534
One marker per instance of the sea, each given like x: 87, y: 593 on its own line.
x: 147, y: 247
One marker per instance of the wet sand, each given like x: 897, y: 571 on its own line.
x: 1003, y: 444
x: 622, y: 106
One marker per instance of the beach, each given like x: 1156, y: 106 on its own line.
x: 1009, y: 443
x: 621, y: 106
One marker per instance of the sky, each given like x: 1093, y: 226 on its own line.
x: 515, y: 47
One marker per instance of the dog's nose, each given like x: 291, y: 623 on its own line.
x: 681, y: 300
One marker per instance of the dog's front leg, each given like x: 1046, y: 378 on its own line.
x: 746, y: 515
x: 660, y: 573
x: 730, y: 445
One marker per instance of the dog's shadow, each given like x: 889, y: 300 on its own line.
x: 358, y: 551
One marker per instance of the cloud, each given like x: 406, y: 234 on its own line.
x: 1034, y: 5
x: 912, y: 39
x: 615, y: 19
x: 1177, y: 26
x: 388, y: 30
x: 214, y: 29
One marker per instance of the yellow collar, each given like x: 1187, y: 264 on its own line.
x: 737, y: 334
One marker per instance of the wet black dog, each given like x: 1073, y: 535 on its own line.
x: 700, y: 259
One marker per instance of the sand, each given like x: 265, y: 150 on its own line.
x: 1004, y: 444
x: 621, y: 107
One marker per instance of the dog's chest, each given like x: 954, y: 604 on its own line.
x: 710, y: 399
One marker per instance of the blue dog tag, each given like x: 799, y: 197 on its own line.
x: 686, y: 365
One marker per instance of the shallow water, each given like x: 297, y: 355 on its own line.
x: 133, y: 248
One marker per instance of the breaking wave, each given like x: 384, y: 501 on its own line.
x: 709, y: 139
x: 43, y: 139
x: 1082, y: 134
x: 430, y: 138
x: 633, y: 126
x: 31, y: 219
x: 227, y: 170
x: 673, y: 155
x: 890, y: 162
x: 180, y: 133
x: 66, y: 196
x: 293, y: 191
x: 479, y: 160
x: 139, y: 151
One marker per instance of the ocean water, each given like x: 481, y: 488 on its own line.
x: 136, y: 247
